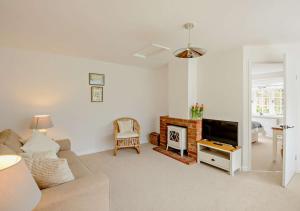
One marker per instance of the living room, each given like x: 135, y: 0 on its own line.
x: 71, y: 69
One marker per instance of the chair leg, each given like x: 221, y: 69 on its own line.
x: 138, y: 149
x: 115, y: 151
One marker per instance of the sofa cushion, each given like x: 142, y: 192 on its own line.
x: 5, y: 150
x: 125, y: 126
x: 11, y: 139
x: 49, y: 172
x: 127, y: 135
x: 36, y: 155
x: 39, y: 142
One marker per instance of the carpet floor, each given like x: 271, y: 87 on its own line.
x: 262, y: 155
x: 151, y: 181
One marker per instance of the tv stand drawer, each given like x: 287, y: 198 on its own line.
x: 214, y: 159
x: 225, y: 157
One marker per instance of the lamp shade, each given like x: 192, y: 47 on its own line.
x: 41, y: 122
x: 189, y: 51
x: 18, y: 190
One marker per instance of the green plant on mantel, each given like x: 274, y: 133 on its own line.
x: 197, y: 111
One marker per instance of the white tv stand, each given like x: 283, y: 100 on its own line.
x: 222, y: 156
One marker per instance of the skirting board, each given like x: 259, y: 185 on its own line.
x: 95, y: 150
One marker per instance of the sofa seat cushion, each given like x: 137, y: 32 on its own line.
x: 127, y: 135
x: 88, y: 193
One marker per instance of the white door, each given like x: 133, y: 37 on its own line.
x: 289, y: 127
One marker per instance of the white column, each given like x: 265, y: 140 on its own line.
x: 182, y: 87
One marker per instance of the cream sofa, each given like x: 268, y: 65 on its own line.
x: 87, y: 192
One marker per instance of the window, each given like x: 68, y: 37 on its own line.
x: 267, y: 101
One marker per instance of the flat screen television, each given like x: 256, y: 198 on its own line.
x: 220, y: 131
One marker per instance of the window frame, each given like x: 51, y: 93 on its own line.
x: 265, y: 100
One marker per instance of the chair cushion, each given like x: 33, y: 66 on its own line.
x: 11, y: 139
x: 125, y: 125
x: 127, y: 135
x: 40, y: 143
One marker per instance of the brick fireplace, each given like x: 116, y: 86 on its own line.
x: 194, y: 131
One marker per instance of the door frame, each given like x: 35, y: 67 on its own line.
x: 285, y: 155
x: 283, y: 183
x: 247, y: 110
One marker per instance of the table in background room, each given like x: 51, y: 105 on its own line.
x: 277, y: 135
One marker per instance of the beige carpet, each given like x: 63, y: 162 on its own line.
x: 262, y: 155
x: 154, y: 182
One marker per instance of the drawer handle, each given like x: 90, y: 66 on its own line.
x: 212, y: 159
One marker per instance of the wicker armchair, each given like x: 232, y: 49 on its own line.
x: 128, y: 140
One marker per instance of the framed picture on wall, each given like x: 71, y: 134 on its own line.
x: 96, y: 94
x: 96, y: 79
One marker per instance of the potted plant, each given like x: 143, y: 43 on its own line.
x: 197, y: 111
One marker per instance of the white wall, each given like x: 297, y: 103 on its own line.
x: 178, y: 89
x: 162, y: 95
x: 182, y: 87
x: 220, y: 86
x: 42, y: 83
x: 192, y: 84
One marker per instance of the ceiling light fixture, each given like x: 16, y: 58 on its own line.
x: 189, y: 51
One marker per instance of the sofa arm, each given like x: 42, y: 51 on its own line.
x: 65, y: 144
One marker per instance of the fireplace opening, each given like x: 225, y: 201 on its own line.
x: 177, y: 138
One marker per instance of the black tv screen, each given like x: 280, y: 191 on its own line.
x: 220, y: 131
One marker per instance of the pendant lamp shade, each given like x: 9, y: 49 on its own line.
x: 189, y: 51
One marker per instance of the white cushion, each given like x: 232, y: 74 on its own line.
x: 39, y: 142
x: 49, y: 172
x: 127, y: 135
x: 125, y: 125
x: 36, y: 155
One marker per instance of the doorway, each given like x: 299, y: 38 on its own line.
x: 289, y: 56
x: 266, y: 115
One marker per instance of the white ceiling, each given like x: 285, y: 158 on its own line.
x: 114, y: 30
